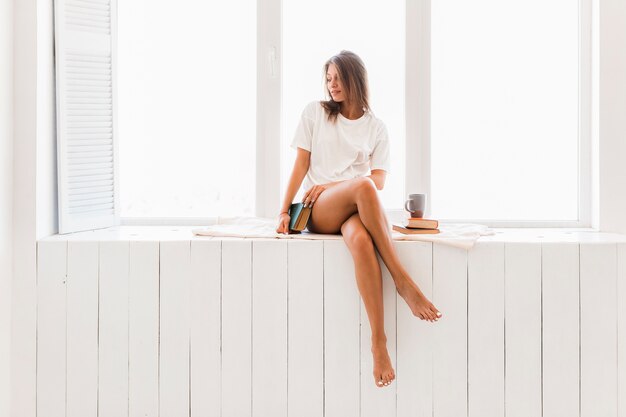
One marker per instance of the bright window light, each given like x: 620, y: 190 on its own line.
x: 187, y: 108
x: 505, y: 110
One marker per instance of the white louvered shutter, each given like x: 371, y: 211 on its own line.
x: 85, y: 39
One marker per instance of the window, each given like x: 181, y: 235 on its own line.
x: 505, y: 110
x: 484, y: 114
x: 187, y: 108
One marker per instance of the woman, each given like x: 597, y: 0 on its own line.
x: 338, y: 143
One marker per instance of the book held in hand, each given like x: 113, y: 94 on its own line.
x: 299, y: 216
x: 412, y: 231
x: 419, y: 223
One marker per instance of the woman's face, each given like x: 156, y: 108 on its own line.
x: 333, y: 83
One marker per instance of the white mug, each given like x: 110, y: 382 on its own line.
x: 416, y: 204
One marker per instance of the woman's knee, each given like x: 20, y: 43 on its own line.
x: 365, y: 188
x: 357, y: 239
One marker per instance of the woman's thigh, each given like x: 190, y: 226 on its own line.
x: 334, y: 206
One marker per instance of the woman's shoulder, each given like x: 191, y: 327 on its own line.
x: 312, y: 109
x: 378, y: 124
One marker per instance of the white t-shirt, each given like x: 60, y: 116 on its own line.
x: 343, y: 149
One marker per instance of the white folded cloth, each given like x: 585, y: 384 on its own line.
x: 460, y: 235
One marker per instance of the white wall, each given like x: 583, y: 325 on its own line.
x: 6, y: 198
x: 34, y: 183
x: 612, y: 116
x: 24, y: 302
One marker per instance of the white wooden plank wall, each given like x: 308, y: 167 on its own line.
x: 175, y: 328
x: 305, y: 370
x: 598, y: 330
x: 206, y: 294
x: 269, y: 328
x: 560, y: 335
x: 522, y: 324
x: 450, y: 333
x: 341, y: 333
x: 82, y: 328
x: 238, y: 328
x: 143, y: 329
x: 51, y: 329
x: 236, y: 324
x: 414, y: 337
x: 113, y: 329
x: 621, y: 330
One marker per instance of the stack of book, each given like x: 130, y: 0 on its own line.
x: 415, y: 225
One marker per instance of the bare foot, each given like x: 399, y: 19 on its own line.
x: 417, y: 302
x: 383, y: 371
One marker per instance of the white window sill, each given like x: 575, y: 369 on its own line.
x: 168, y: 233
x: 393, y: 215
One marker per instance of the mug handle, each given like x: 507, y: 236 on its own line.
x: 408, y: 203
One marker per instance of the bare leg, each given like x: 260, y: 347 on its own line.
x: 335, y: 205
x: 369, y: 281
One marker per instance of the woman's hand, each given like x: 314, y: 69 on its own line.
x: 283, y: 223
x: 311, y: 196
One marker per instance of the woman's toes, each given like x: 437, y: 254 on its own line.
x: 383, y: 381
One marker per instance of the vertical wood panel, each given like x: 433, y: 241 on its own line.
x: 450, y: 333
x: 82, y: 329
x: 269, y: 328
x: 175, y: 316
x: 206, y: 267
x: 522, y: 303
x: 275, y: 303
x: 341, y: 332
x: 598, y: 330
x: 414, y: 365
x: 51, y: 327
x: 306, y: 329
x: 375, y: 400
x: 560, y: 309
x: 621, y: 329
x: 143, y: 329
x: 485, y: 317
x: 237, y: 328
x: 113, y: 325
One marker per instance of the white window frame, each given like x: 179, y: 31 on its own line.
x: 270, y: 154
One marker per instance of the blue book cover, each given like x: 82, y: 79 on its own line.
x: 299, y: 216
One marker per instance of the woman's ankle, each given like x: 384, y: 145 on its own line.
x: 379, y: 340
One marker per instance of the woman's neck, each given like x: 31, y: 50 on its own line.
x: 351, y: 112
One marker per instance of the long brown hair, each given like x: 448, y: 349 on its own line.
x: 353, y: 77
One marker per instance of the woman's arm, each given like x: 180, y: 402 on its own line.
x: 300, y: 168
x: 378, y: 176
